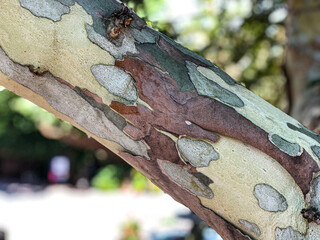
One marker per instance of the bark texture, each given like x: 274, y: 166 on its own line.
x: 303, y: 61
x: 242, y: 165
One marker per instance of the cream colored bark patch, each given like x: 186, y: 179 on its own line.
x: 62, y: 47
x: 235, y: 174
x: 264, y: 115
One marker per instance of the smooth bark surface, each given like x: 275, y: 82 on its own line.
x: 242, y: 165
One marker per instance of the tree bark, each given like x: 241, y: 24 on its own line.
x: 303, y: 61
x: 239, y: 163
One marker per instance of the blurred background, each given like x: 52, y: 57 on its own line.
x: 56, y: 183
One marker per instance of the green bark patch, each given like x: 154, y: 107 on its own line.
x: 292, y: 149
x: 176, y: 69
x: 316, y: 150
x: 209, y: 88
x: 305, y: 131
x: 184, y: 54
x: 145, y: 35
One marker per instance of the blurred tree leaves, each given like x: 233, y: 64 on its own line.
x: 115, y: 176
x: 109, y: 178
x: 18, y: 132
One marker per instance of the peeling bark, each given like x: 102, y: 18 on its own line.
x: 242, y: 165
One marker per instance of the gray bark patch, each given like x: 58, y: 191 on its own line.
x: 145, y: 35
x: 118, y: 52
x: 251, y: 227
x: 202, y: 178
x: 288, y: 234
x: 292, y: 149
x: 68, y: 102
x: 114, y: 117
x: 316, y: 150
x: 46, y: 8
x: 180, y: 175
x: 211, y: 89
x: 198, y: 153
x: 269, y: 198
x: 66, y: 2
x: 116, y: 81
x: 315, y: 193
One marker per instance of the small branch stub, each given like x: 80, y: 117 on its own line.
x: 311, y: 214
x: 119, y: 20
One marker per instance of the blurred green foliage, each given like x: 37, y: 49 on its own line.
x: 141, y: 183
x: 109, y: 177
x: 19, y: 136
x: 130, y: 230
x: 113, y: 176
x: 21, y: 142
x: 245, y: 38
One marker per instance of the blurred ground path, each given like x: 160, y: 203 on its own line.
x: 63, y: 213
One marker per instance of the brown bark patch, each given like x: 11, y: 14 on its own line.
x: 60, y: 80
x: 161, y: 92
x: 123, y: 109
x: 92, y: 95
x: 207, y: 117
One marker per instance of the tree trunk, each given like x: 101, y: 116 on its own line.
x: 242, y: 165
x: 303, y: 61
